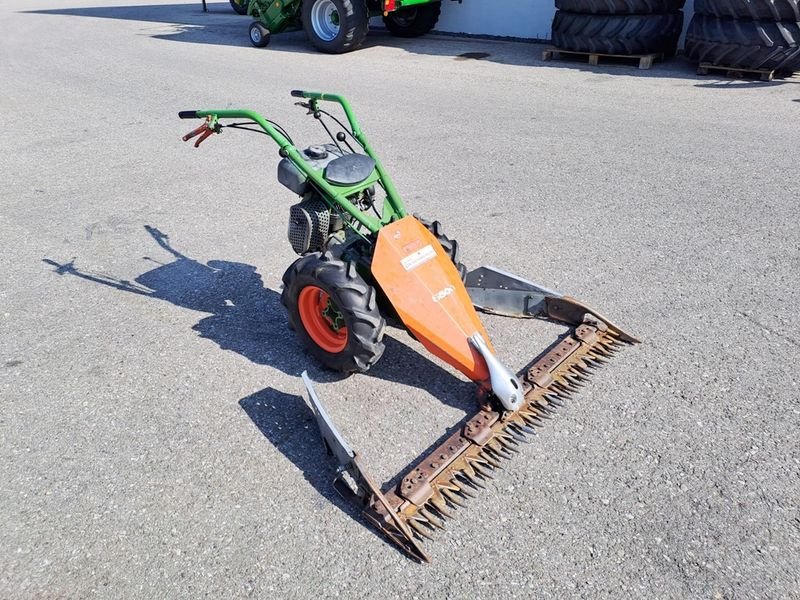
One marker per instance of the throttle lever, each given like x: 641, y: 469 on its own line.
x: 204, y: 131
x: 307, y: 106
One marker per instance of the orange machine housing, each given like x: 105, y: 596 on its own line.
x: 426, y: 290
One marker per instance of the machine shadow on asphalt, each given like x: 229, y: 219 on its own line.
x: 248, y: 318
x: 286, y: 421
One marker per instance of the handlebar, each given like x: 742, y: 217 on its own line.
x: 288, y: 149
x: 336, y: 98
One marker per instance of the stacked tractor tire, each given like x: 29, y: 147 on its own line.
x: 624, y: 27
x: 746, y: 34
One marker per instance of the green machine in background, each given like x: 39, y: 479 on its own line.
x: 336, y: 26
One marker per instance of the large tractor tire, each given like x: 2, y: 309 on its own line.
x: 414, y: 21
x: 240, y: 6
x: 334, y: 312
x: 617, y: 34
x: 449, y: 245
x: 620, y: 7
x: 335, y: 26
x: 744, y: 44
x: 767, y: 10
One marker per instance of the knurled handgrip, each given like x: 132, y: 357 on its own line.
x: 188, y: 114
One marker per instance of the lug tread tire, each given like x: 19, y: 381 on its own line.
x: 355, y: 298
x: 744, y: 44
x: 426, y: 18
x: 353, y: 28
x: 620, y: 7
x: 767, y: 10
x: 617, y: 34
x: 450, y: 245
x: 239, y: 9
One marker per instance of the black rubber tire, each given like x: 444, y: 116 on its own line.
x: 240, y: 6
x: 620, y: 7
x: 414, y: 21
x: 744, y: 44
x: 258, y: 34
x: 450, y: 246
x: 353, y: 26
x: 767, y: 10
x: 617, y: 34
x: 355, y: 299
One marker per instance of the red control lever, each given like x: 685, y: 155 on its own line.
x: 204, y: 131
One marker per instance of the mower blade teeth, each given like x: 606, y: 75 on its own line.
x: 441, y: 506
x: 562, y: 388
x: 531, y: 415
x: 579, y: 377
x: 498, y: 448
x: 532, y: 420
x: 507, y: 439
x: 419, y: 529
x: 462, y: 487
x: 452, y: 497
x: 515, y: 431
x: 436, y: 512
x: 482, y: 471
x: 526, y: 429
x: 490, y: 459
x: 594, y: 362
x: 472, y: 479
x: 432, y: 519
x: 519, y: 432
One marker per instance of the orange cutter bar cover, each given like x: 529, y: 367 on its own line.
x: 425, y: 289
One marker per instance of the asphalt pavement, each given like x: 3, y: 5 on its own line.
x: 155, y: 443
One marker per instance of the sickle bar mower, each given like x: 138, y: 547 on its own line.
x: 361, y: 266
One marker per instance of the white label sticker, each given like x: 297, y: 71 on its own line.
x: 442, y: 294
x: 421, y: 256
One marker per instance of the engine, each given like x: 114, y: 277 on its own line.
x: 309, y: 225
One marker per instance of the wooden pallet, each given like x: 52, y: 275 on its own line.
x: 737, y: 72
x: 645, y: 60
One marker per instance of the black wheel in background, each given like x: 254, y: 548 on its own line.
x: 240, y: 6
x: 259, y: 35
x: 335, y: 26
x: 450, y: 245
x: 620, y: 7
x: 743, y: 43
x: 617, y: 34
x: 414, y: 21
x: 766, y: 10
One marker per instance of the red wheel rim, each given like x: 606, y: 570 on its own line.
x: 322, y: 320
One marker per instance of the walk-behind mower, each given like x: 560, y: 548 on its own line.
x: 337, y: 26
x: 364, y: 261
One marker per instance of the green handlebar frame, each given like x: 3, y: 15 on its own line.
x: 393, y: 207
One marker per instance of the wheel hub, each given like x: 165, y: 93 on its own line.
x: 325, y: 20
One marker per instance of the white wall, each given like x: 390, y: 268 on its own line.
x: 510, y: 18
